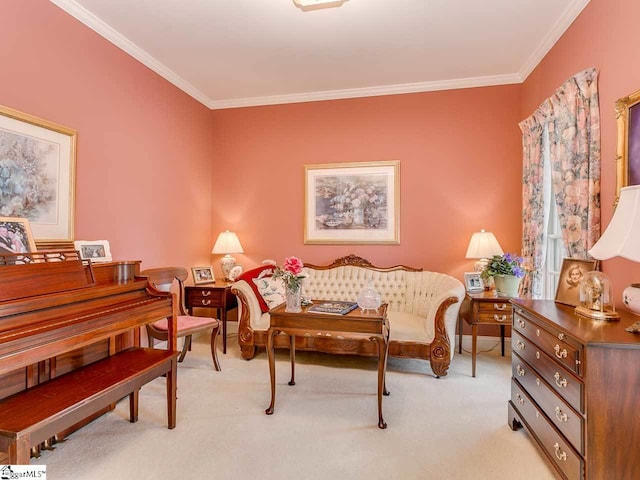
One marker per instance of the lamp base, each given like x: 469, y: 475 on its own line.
x: 227, y: 263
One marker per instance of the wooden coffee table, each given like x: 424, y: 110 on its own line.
x: 355, y: 324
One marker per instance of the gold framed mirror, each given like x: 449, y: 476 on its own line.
x: 628, y: 148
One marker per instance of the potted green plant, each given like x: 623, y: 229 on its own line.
x: 506, y: 271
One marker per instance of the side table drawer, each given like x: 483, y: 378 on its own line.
x: 202, y: 297
x: 495, y: 311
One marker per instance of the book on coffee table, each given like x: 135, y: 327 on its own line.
x: 333, y: 308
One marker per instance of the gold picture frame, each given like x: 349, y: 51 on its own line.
x: 352, y: 203
x: 37, y: 174
x: 628, y: 145
x: 16, y: 236
x: 572, y: 271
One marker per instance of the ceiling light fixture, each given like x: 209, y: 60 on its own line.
x: 317, y: 4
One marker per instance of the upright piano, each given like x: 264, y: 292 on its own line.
x: 70, y: 347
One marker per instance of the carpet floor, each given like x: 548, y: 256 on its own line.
x: 324, y: 427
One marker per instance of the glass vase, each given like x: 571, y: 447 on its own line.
x: 369, y: 298
x: 293, y: 300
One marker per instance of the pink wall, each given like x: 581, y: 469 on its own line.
x: 144, y: 147
x: 460, y: 164
x: 603, y: 36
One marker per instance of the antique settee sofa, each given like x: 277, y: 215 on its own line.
x: 422, y: 310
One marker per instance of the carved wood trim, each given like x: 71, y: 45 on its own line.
x: 356, y: 261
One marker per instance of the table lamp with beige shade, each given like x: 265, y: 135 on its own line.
x: 482, y: 246
x: 622, y: 239
x: 226, y: 244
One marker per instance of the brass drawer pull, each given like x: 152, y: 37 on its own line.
x: 520, y: 345
x: 561, y: 336
x: 560, y: 383
x: 562, y: 417
x: 537, y: 355
x: 519, y: 399
x: 521, y: 323
x: 562, y: 456
x: 520, y: 371
x: 498, y: 318
x: 537, y: 332
x: 206, y: 293
x: 206, y: 302
x: 500, y: 306
x: 560, y: 354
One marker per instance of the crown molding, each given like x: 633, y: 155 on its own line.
x: 559, y: 28
x: 368, y: 91
x: 94, y: 23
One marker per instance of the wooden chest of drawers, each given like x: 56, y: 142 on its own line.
x: 575, y: 387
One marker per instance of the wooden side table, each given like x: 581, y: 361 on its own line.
x: 212, y: 295
x: 484, y: 308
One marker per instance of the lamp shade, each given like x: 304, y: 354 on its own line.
x: 622, y: 236
x: 226, y: 243
x: 483, y: 245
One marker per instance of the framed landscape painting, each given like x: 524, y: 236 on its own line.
x: 355, y: 203
x: 37, y: 174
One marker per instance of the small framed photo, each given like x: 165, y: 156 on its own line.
x: 16, y: 236
x: 94, y: 250
x: 202, y: 275
x: 568, y: 291
x: 473, y: 282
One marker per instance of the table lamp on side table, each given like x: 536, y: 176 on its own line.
x: 482, y: 246
x: 226, y: 244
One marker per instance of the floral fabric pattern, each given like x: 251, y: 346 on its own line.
x: 572, y: 116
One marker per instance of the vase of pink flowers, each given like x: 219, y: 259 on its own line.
x: 291, y: 275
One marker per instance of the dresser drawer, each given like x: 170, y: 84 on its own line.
x: 558, y: 450
x: 559, y: 378
x: 567, y: 420
x: 553, y: 342
x: 494, y: 311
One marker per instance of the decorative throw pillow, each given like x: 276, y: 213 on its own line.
x: 250, y: 275
x: 271, y: 290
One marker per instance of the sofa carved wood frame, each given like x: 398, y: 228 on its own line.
x: 438, y: 352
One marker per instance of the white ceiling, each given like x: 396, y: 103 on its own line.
x: 236, y: 53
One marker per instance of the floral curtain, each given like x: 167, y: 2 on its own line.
x: 533, y: 200
x: 574, y: 142
x: 572, y: 117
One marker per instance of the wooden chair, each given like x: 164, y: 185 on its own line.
x: 162, y: 279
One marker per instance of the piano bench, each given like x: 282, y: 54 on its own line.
x: 34, y: 415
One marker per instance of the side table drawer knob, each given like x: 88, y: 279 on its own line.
x: 499, y: 306
x: 206, y: 302
x: 499, y: 318
x: 206, y: 293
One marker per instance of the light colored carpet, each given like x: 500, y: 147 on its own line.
x: 323, y: 427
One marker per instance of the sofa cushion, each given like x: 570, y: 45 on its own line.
x: 250, y: 275
x: 271, y: 290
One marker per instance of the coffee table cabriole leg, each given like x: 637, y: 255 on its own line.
x: 383, y: 348
x: 272, y: 369
x: 292, y: 357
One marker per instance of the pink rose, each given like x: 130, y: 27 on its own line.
x: 292, y: 265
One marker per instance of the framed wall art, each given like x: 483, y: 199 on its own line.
x: 355, y: 203
x: 94, y: 250
x: 628, y: 149
x: 568, y: 291
x: 37, y: 174
x: 202, y: 275
x: 16, y: 236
